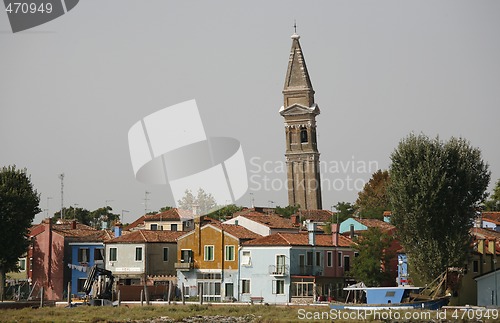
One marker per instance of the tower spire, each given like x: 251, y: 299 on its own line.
x: 299, y: 111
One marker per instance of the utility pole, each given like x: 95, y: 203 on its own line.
x: 61, y: 177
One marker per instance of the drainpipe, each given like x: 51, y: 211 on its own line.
x: 238, y: 276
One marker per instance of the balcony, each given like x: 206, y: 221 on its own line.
x: 278, y: 270
x: 305, y: 271
x: 184, y: 266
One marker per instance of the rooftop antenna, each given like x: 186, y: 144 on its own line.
x: 61, y: 177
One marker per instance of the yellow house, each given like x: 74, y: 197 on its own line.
x: 207, y: 260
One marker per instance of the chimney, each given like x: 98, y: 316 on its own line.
x: 118, y: 229
x: 295, y: 219
x: 73, y: 224
x: 335, y: 234
x: 311, y: 231
x: 352, y: 231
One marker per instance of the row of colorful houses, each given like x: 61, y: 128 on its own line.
x: 254, y: 256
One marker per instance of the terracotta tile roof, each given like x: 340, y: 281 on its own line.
x: 316, y: 215
x: 271, y: 220
x: 375, y: 223
x: 137, y: 223
x: 298, y: 239
x: 238, y: 231
x: 88, y: 236
x: 148, y: 236
x: 486, y: 234
x: 387, y: 213
x: 493, y: 217
x: 173, y: 214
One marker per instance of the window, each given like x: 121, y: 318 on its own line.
x: 165, y: 254
x: 279, y: 287
x: 303, y: 135
x: 318, y: 258
x: 302, y: 289
x: 339, y: 259
x: 83, y: 254
x: 229, y: 253
x: 329, y: 258
x: 309, y: 258
x: 98, y: 254
x: 154, y: 226
x: 280, y: 264
x: 229, y: 290
x: 22, y: 264
x: 246, y: 259
x: 347, y: 266
x: 245, y: 286
x: 209, y: 253
x: 475, y: 266
x: 112, y: 254
x: 186, y: 255
x: 81, y: 283
x: 138, y: 254
x: 302, y: 261
x: 356, y: 254
x: 173, y: 227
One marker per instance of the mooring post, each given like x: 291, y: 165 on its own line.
x: 41, y: 297
x: 142, y: 297
x: 182, y: 294
x: 201, y: 293
x: 119, y: 298
x: 69, y: 293
x: 170, y: 285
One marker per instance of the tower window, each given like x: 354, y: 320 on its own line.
x: 303, y: 135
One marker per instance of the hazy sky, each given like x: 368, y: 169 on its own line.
x: 71, y: 89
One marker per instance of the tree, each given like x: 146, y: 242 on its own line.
x: 90, y: 218
x: 18, y: 206
x: 493, y: 203
x: 223, y: 213
x: 373, y: 200
x: 434, y: 191
x: 287, y: 211
x: 204, y: 202
x: 372, y: 264
x: 345, y: 210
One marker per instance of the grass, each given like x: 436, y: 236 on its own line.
x: 255, y: 313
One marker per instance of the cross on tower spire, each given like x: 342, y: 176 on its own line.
x: 295, y: 26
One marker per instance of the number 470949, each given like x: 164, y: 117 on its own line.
x: 28, y: 7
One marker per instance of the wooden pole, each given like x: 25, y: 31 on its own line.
x: 170, y: 285
x: 69, y: 293
x: 41, y: 297
x: 146, y: 294
x: 182, y: 294
x: 142, y: 297
x: 119, y: 298
x: 201, y: 293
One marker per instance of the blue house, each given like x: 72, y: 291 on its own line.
x: 86, y: 251
x: 300, y: 267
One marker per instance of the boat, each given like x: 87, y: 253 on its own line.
x: 402, y: 297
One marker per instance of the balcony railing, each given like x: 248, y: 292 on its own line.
x: 304, y: 270
x: 278, y: 270
x: 183, y: 265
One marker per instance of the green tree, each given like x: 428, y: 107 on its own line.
x: 345, y: 210
x: 223, y: 213
x: 287, y: 211
x: 434, y: 191
x: 80, y: 214
x: 373, y: 200
x: 204, y: 202
x: 493, y: 203
x: 18, y: 206
x: 372, y: 264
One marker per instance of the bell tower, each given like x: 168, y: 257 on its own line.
x: 299, y: 111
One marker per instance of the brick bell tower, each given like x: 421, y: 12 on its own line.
x: 299, y: 112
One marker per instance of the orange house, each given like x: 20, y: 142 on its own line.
x: 207, y: 260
